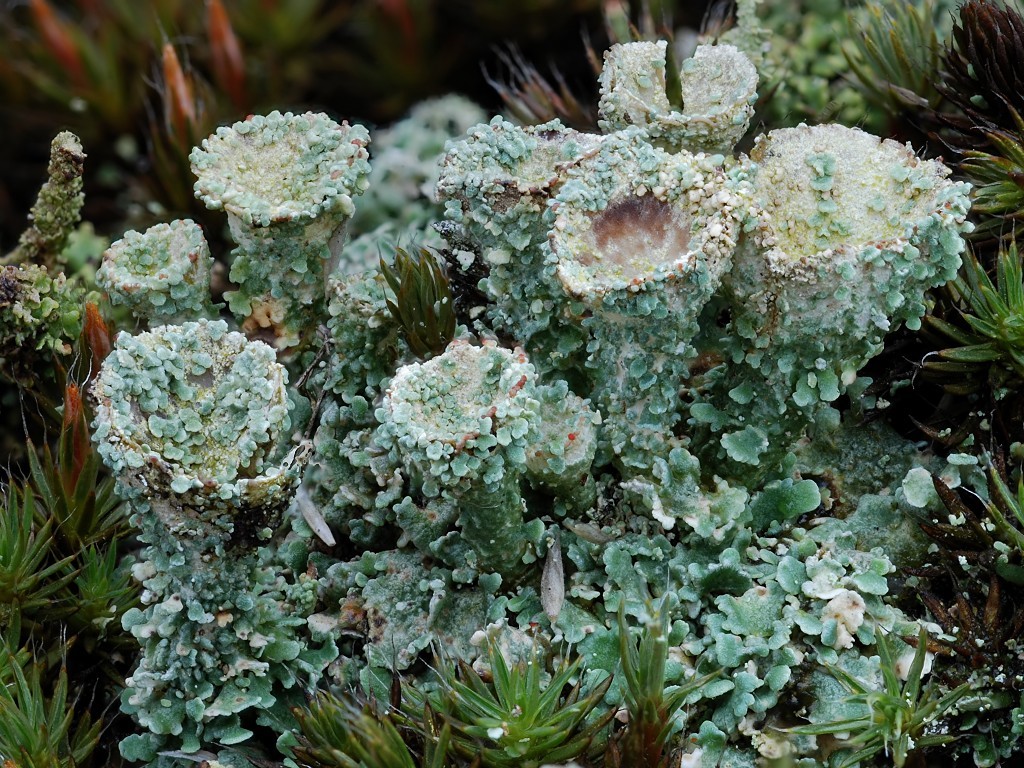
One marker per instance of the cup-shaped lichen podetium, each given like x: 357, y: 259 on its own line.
x: 190, y: 419
x: 162, y: 275
x: 460, y: 424
x: 640, y: 241
x: 287, y: 183
x: 850, y: 232
x: 718, y: 87
x: 497, y: 184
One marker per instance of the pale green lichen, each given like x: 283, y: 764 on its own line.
x: 640, y: 413
x: 750, y: 34
x: 58, y: 207
x: 207, y: 401
x: 847, y: 234
x: 560, y: 458
x: 38, y: 314
x: 461, y: 422
x: 364, y: 334
x: 639, y: 243
x: 497, y: 184
x: 400, y: 207
x: 405, y: 159
x: 281, y: 167
x: 286, y: 182
x: 718, y: 91
x: 162, y: 275
x: 192, y: 420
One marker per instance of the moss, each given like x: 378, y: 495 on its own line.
x: 39, y: 316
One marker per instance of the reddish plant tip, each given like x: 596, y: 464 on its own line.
x: 179, y: 98
x: 226, y: 53
x: 96, y: 336
x: 72, y: 405
x: 75, y: 443
x: 59, y: 40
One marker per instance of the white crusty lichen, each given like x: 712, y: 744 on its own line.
x: 641, y: 410
x: 286, y: 182
x: 162, y: 275
x: 461, y: 422
x: 718, y: 88
x: 193, y: 421
x: 847, y: 232
x: 639, y: 243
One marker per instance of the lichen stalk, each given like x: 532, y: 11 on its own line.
x: 639, y: 243
x: 460, y: 423
x: 192, y: 419
x: 286, y: 182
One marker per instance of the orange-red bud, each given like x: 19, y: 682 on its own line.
x: 74, y: 437
x: 59, y: 39
x: 226, y: 53
x: 179, y: 99
x: 72, y: 404
x: 96, y: 336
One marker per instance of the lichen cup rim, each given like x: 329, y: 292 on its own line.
x: 466, y: 432
x: 741, y: 61
x: 336, y: 147
x: 783, y: 262
x: 634, y: 92
x: 708, y: 228
x: 139, y: 461
x: 156, y: 238
x: 493, y: 178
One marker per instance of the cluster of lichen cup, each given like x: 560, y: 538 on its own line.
x: 665, y: 322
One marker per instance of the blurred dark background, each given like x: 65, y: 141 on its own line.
x: 141, y: 83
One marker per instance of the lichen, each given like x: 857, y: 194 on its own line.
x: 718, y: 91
x: 38, y: 313
x: 286, y: 182
x: 58, y: 207
x: 192, y: 420
x: 639, y: 243
x: 461, y: 422
x: 207, y: 401
x: 644, y: 409
x: 162, y: 275
x: 846, y: 234
x: 405, y: 159
x: 497, y: 184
